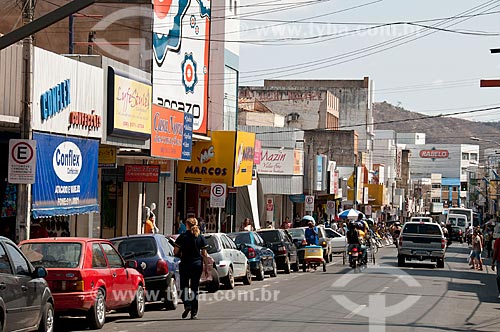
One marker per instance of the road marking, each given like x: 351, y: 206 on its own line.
x: 265, y: 286
x: 355, y: 311
x: 384, y: 289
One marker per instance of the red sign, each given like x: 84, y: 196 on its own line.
x: 167, y: 130
x: 142, y: 173
x: 434, y: 154
x: 257, y: 152
x: 270, y: 207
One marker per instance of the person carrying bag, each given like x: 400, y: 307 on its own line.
x: 191, y: 247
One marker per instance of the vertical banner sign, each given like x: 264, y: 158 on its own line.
x: 22, y: 161
x: 330, y: 207
x: 218, y: 195
x: 309, y: 203
x: 319, y: 173
x: 66, y: 181
x: 270, y: 209
x: 181, y: 36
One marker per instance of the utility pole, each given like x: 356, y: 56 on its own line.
x: 24, y: 190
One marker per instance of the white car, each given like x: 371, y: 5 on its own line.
x: 337, y: 240
x: 230, y: 262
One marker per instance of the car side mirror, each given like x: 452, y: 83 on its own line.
x: 131, y: 264
x: 40, y: 272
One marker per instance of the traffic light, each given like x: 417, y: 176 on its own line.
x: 463, y: 186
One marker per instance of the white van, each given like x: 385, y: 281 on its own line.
x: 459, y: 220
x: 421, y: 219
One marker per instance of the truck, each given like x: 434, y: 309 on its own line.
x: 422, y: 241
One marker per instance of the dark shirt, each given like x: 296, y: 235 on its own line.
x: 190, y: 247
x: 353, y: 236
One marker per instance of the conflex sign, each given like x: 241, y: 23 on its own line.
x: 55, y: 100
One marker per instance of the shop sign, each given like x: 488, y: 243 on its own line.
x: 257, y: 154
x: 276, y: 161
x: 129, y: 106
x: 67, y: 96
x: 165, y: 165
x: 228, y: 159
x: 67, y: 181
x: 107, y: 157
x: 181, y: 63
x: 434, y: 154
x: 298, y: 162
x: 142, y: 173
x: 299, y: 198
x: 318, y: 173
x: 171, y: 134
x: 245, y: 144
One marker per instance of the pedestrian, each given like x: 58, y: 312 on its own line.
x: 203, y: 225
x: 286, y: 224
x: 182, y: 227
x: 149, y: 225
x: 191, y: 247
x: 477, y: 247
x: 488, y: 239
x: 246, y: 226
x: 495, y: 262
x: 296, y: 220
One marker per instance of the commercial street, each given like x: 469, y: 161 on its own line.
x: 450, y: 299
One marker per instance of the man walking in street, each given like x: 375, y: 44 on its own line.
x: 495, y: 262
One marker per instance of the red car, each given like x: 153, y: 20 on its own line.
x: 87, y: 277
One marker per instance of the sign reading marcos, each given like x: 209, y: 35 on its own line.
x: 67, y: 176
x: 228, y: 159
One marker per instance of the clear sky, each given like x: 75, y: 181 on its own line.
x: 436, y: 73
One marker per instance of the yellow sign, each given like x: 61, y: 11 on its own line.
x: 107, y: 157
x: 245, y: 144
x: 131, y: 107
x: 216, y: 161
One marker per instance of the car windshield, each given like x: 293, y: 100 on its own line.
x: 53, y: 254
x: 212, y: 244
x: 136, y: 247
x: 297, y: 233
x: 270, y: 236
x: 240, y: 238
x: 331, y: 233
x: 422, y: 229
x: 461, y: 222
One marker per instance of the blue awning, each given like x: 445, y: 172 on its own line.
x: 64, y: 211
x: 450, y: 182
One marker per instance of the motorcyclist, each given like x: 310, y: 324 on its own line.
x: 356, y: 236
x: 311, y: 234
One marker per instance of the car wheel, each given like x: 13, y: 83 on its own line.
x: 296, y: 266
x: 247, y: 279
x: 47, y: 320
x: 440, y: 263
x: 274, y: 272
x: 137, y: 306
x: 171, y: 296
x: 96, y: 316
x: 214, y: 285
x: 287, y: 266
x: 229, y: 279
x: 260, y: 272
x: 401, y: 260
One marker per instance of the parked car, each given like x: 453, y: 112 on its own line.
x: 210, y: 280
x: 338, y: 241
x: 281, y: 243
x: 299, y: 239
x: 231, y: 263
x: 157, y: 263
x: 261, y: 259
x: 26, y: 303
x: 88, y: 277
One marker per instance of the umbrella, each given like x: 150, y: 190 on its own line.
x: 351, y: 213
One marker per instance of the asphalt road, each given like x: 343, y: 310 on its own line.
x: 383, y: 297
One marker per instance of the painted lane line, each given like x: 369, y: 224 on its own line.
x: 383, y: 290
x: 355, y: 311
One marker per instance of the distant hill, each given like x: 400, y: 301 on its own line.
x: 444, y: 130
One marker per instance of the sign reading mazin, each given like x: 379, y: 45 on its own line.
x: 181, y: 31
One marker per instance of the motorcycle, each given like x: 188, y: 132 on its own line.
x: 355, y: 256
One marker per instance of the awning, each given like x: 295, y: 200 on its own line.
x: 66, y: 176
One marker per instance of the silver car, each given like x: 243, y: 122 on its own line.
x: 230, y: 262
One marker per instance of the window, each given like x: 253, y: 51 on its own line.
x: 53, y: 254
x: 213, y: 244
x: 98, y: 260
x: 258, y: 240
x: 167, y: 247
x: 136, y: 247
x: 473, y: 156
x: 114, y: 260
x: 436, y: 200
x: 4, y: 262
x: 20, y: 264
x: 227, y: 243
x: 465, y: 156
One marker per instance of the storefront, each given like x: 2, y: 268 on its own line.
x: 228, y: 159
x: 67, y: 127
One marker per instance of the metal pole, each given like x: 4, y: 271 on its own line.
x: 24, y: 190
x: 355, y: 186
x: 71, y: 36
x: 218, y: 220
